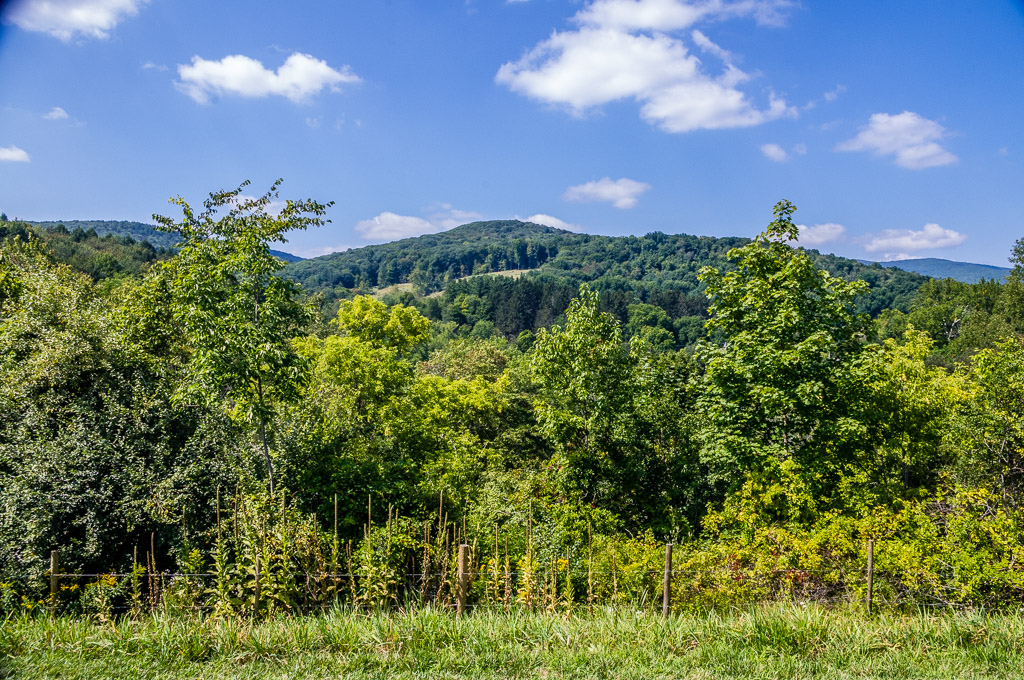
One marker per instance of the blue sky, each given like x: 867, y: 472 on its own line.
x: 895, y: 127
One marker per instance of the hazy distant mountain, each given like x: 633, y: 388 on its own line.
x: 966, y: 272
x: 140, y: 231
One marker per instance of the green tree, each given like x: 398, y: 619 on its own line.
x: 988, y: 432
x: 771, y: 390
x: 398, y: 327
x: 236, y: 314
x: 93, y: 454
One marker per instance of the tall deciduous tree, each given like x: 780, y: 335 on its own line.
x: 237, y: 315
x: 771, y: 390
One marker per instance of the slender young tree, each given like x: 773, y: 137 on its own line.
x: 235, y: 314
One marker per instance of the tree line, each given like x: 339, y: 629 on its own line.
x: 785, y: 427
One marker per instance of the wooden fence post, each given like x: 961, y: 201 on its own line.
x: 666, y: 601
x: 871, y: 574
x: 54, y: 570
x: 463, y: 583
x: 256, y: 595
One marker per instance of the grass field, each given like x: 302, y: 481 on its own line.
x: 768, y: 642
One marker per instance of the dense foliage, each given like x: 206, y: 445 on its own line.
x: 757, y: 414
x: 100, y: 256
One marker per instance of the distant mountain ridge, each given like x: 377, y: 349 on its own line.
x: 937, y: 268
x: 140, y: 231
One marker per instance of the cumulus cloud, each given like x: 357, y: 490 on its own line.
x: 389, y: 226
x: 674, y: 15
x: 13, y: 154
x: 622, y: 50
x: 774, y: 152
x: 551, y: 221
x: 818, y: 234
x: 300, y: 77
x: 622, y: 193
x: 911, y: 139
x: 64, y: 19
x: 56, y: 113
x: 896, y: 243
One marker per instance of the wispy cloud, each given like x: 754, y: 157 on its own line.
x: 622, y: 193
x: 774, y: 152
x: 12, y: 154
x: 911, y: 139
x: 622, y: 49
x: 56, y: 113
x: 317, y: 251
x: 705, y: 44
x: 65, y: 19
x: 300, y: 77
x: 833, y: 94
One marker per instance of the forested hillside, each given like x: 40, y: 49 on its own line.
x: 85, y: 250
x: 656, y: 274
x: 137, y: 231
x: 203, y: 412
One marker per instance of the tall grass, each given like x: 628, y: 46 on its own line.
x: 761, y: 642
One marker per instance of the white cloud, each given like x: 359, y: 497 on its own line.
x: 774, y: 152
x: 300, y: 77
x: 896, y: 243
x: 611, y: 57
x: 273, y: 207
x: 447, y: 217
x: 705, y: 44
x: 622, y: 193
x: 389, y: 226
x: 151, y: 65
x: 913, y: 140
x: 64, y: 19
x: 13, y: 154
x: 317, y: 251
x: 833, y: 95
x: 674, y: 15
x: 818, y: 234
x: 56, y: 113
x: 551, y: 221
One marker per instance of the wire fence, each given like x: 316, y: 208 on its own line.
x: 468, y: 586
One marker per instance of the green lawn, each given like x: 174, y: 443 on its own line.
x: 768, y: 642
